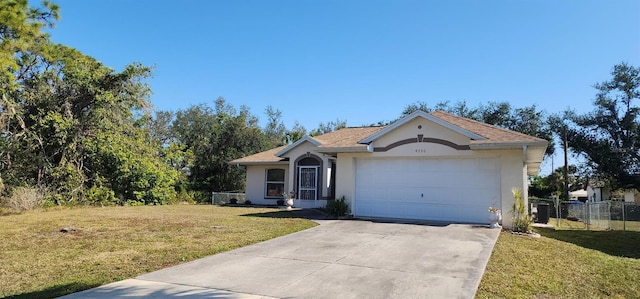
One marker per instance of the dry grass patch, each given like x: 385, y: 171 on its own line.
x: 24, y: 199
x: 564, y: 264
x: 117, y: 243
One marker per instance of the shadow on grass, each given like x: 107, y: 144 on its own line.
x: 56, y: 291
x: 408, y: 221
x: 316, y: 214
x: 616, y: 243
x: 142, y: 290
x: 311, y: 214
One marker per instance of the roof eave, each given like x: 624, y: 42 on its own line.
x: 248, y: 163
x: 348, y: 149
x: 295, y: 144
x: 508, y: 145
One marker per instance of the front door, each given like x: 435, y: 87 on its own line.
x: 307, y: 182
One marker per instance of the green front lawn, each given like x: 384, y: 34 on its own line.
x: 115, y: 243
x: 564, y: 264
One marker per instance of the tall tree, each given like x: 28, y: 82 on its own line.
x: 328, y: 127
x: 496, y: 113
x: 275, y: 130
x: 215, y: 137
x: 69, y: 124
x: 296, y: 133
x: 553, y: 184
x: 20, y: 35
x: 609, y: 136
x: 459, y: 108
x: 160, y: 127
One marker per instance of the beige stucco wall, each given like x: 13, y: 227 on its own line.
x: 512, y: 171
x: 300, y: 151
x: 428, y: 130
x: 256, y: 175
x: 513, y: 175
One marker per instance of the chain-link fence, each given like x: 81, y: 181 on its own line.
x: 605, y: 215
x: 222, y: 198
x: 576, y: 214
x: 625, y: 216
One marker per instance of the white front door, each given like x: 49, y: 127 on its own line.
x: 307, y: 182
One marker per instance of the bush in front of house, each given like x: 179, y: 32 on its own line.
x: 338, y: 207
x: 247, y: 202
x: 233, y: 201
x: 521, y: 220
x: 280, y: 202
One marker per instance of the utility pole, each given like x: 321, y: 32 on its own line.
x: 565, y: 146
x: 566, y: 167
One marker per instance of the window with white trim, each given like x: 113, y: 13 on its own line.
x: 275, y: 183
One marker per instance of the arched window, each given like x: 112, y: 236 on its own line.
x: 275, y: 183
x: 309, y: 162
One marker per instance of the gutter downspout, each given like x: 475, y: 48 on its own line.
x: 525, y: 173
x: 370, y: 147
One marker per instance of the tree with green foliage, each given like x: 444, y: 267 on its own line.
x: 160, y: 127
x: 553, y: 184
x: 20, y: 36
x: 496, y: 113
x: 296, y: 133
x: 609, y: 136
x: 275, y: 131
x: 216, y: 136
x: 328, y: 127
x: 70, y: 125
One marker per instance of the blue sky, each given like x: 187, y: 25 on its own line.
x: 360, y: 61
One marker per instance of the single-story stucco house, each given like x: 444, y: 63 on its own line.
x: 429, y: 166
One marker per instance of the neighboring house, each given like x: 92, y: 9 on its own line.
x: 631, y: 195
x: 598, y: 190
x: 581, y: 195
x: 432, y: 166
x: 594, y: 193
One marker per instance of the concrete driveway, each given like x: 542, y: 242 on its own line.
x: 337, y: 259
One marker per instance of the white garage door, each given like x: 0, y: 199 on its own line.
x: 458, y: 190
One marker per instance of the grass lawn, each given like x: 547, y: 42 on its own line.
x: 115, y: 243
x: 564, y: 264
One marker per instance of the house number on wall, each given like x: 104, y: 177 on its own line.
x: 421, y: 150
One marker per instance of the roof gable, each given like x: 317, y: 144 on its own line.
x: 300, y: 141
x: 426, y: 116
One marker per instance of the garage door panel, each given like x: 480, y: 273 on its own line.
x: 373, y: 194
x: 416, y: 210
x: 413, y: 210
x: 432, y: 189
